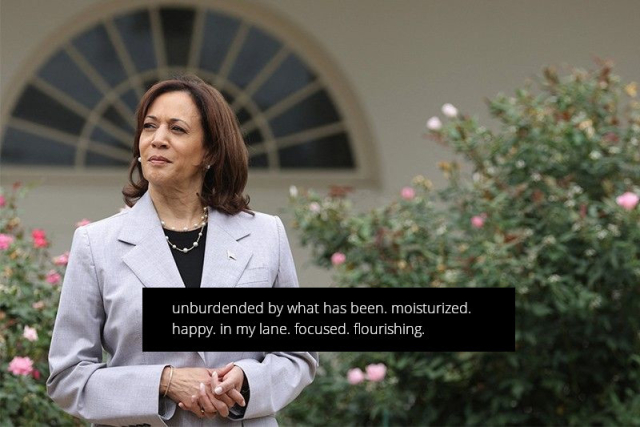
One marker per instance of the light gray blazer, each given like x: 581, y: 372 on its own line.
x: 101, y: 307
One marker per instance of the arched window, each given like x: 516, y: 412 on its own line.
x: 77, y: 108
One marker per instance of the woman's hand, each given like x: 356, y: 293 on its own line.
x: 186, y: 383
x: 231, y: 385
x: 227, y: 390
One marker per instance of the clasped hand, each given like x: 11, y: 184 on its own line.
x: 206, y: 392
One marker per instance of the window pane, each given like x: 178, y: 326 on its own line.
x: 291, y: 76
x: 38, y: 107
x: 243, y: 116
x: 63, y: 73
x: 177, y: 27
x: 135, y: 30
x: 259, y: 162
x: 227, y: 96
x: 254, y: 137
x: 150, y: 82
x: 257, y: 50
x: 332, y: 152
x: 103, y: 137
x: 23, y: 148
x: 219, y: 31
x: 116, y: 118
x: 96, y: 47
x: 130, y: 98
x: 314, y: 111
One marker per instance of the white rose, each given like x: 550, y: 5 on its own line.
x: 434, y: 123
x: 449, y: 111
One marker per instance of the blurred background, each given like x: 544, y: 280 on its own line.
x: 328, y: 92
x: 339, y: 93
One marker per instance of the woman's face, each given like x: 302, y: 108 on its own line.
x: 171, y: 143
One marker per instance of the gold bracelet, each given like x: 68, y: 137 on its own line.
x: 170, y: 378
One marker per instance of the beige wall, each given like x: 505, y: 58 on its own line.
x: 403, y: 60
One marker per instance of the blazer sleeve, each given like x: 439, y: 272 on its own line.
x: 280, y: 377
x: 79, y: 381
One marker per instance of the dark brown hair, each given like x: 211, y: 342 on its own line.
x: 225, y: 149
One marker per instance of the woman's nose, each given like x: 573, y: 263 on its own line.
x: 159, y: 138
x: 156, y: 143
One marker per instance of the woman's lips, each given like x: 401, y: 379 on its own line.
x: 156, y: 160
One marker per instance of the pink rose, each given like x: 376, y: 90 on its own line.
x: 53, y: 277
x: 38, y: 305
x: 314, y: 207
x: 408, y: 193
x: 40, y: 243
x: 5, y: 241
x: 3, y: 201
x: 434, y: 124
x: 36, y: 374
x: 477, y: 221
x: 82, y: 222
x: 21, y: 366
x: 355, y: 376
x: 376, y: 372
x: 30, y: 333
x: 38, y: 233
x: 61, y: 259
x: 628, y: 200
x: 39, y: 238
x: 338, y: 258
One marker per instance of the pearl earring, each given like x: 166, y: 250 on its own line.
x: 139, y: 159
x: 208, y: 167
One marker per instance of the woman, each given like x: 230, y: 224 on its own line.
x: 189, y: 225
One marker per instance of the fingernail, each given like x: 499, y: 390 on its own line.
x: 202, y: 389
x: 243, y: 403
x: 215, y: 374
x: 218, y: 390
x: 193, y: 398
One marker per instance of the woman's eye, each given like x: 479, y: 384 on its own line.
x: 147, y: 125
x: 179, y: 129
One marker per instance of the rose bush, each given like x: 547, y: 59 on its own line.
x: 549, y: 207
x: 29, y: 292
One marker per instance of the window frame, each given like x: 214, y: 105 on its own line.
x: 365, y: 171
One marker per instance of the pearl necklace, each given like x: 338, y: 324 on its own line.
x: 204, y: 219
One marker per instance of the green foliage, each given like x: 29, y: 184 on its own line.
x: 539, y: 212
x: 27, y: 299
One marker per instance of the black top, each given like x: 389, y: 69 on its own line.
x: 190, y: 267
x: 189, y: 264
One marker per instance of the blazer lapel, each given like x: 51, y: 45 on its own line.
x: 152, y: 262
x: 151, y: 259
x: 225, y: 259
